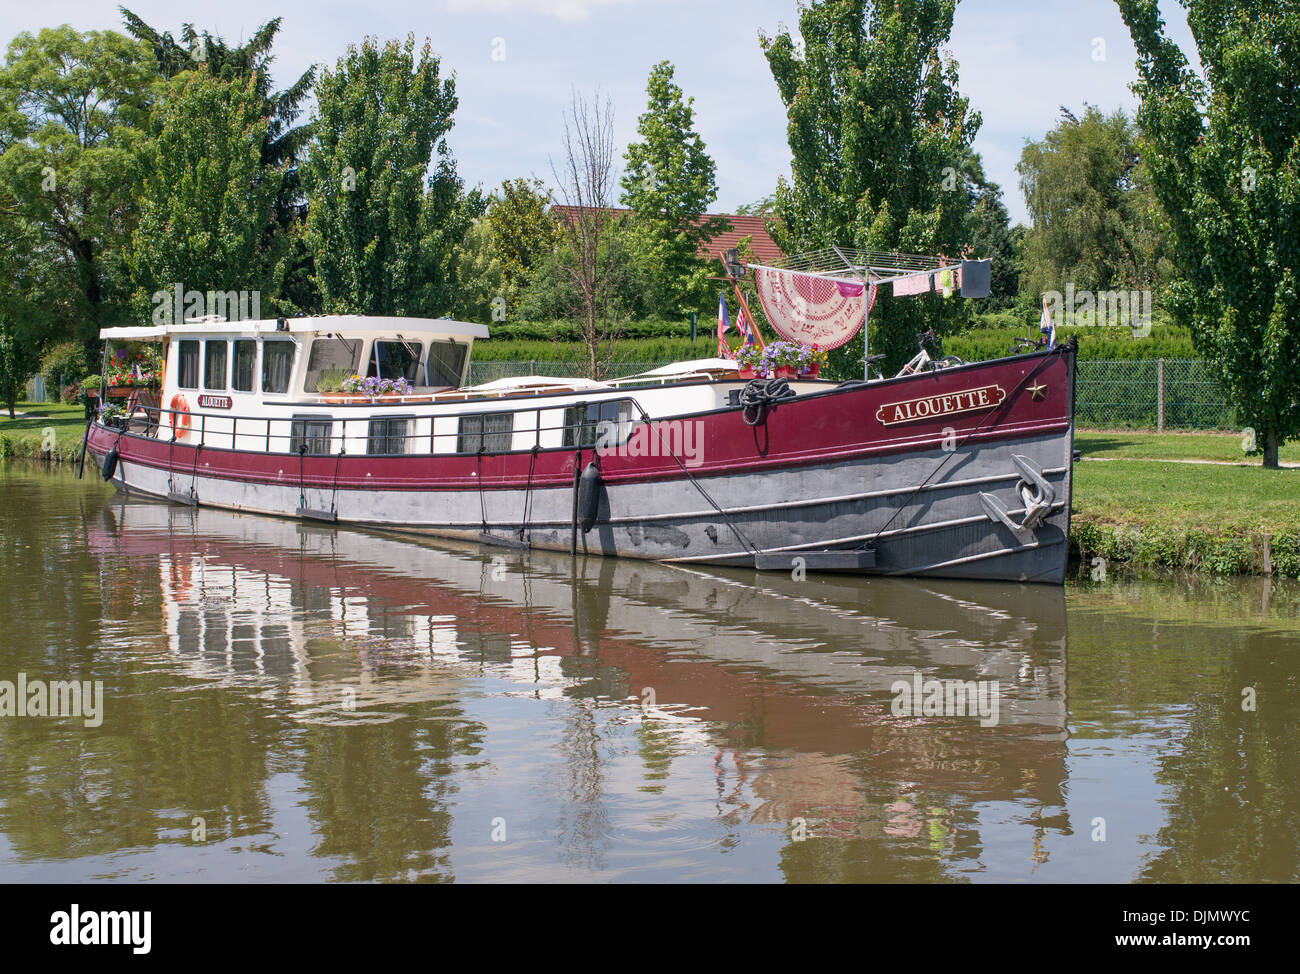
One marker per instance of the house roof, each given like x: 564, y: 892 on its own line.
x: 765, y: 249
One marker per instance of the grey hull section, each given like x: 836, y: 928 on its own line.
x: 956, y: 514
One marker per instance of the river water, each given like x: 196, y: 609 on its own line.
x: 284, y: 702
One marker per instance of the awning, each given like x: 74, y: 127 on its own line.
x: 143, y: 333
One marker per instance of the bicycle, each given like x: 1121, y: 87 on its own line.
x: 923, y: 359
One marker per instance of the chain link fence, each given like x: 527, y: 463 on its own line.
x: 1149, y: 394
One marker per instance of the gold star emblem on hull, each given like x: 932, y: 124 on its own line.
x: 1037, y: 391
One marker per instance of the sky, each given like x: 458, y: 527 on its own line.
x: 517, y: 62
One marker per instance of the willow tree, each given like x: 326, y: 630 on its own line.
x: 1223, y: 146
x: 879, y: 136
x: 1092, y: 207
x: 385, y: 205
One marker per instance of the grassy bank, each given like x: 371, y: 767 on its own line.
x: 25, y: 437
x: 1199, y: 517
x: 1127, y: 445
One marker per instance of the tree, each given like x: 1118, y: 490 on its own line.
x: 668, y: 184
x: 17, y: 365
x: 524, y: 228
x: 1223, y: 149
x: 878, y: 133
x: 591, y: 258
x: 1086, y: 191
x: 482, y: 292
x: 283, y: 140
x: 74, y: 106
x: 505, y: 251
x: 383, y: 238
x: 206, y: 197
x: 991, y: 235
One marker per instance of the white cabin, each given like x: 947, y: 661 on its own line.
x: 252, y: 386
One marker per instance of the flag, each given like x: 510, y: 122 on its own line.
x: 1046, y: 325
x: 743, y: 326
x: 724, y: 322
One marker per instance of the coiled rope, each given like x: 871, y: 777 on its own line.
x: 760, y: 395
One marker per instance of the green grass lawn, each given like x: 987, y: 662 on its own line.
x: 1186, y: 515
x: 24, y: 435
x: 1189, y: 496
x: 1118, y: 444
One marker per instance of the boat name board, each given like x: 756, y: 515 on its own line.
x: 215, y: 402
x: 947, y: 404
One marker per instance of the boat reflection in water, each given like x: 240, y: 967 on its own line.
x: 628, y: 710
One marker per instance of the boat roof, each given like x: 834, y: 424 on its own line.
x: 535, y: 381
x: 359, y: 325
x: 689, y: 368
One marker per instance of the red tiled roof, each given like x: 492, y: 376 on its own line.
x: 765, y: 249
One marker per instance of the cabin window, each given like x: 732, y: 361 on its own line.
x: 277, y: 366
x: 446, y: 363
x: 582, y: 423
x: 312, y: 432
x: 214, y: 365
x: 395, y: 360
x: 187, y: 371
x: 331, y: 353
x: 489, y: 432
x: 245, y: 365
x: 387, y: 435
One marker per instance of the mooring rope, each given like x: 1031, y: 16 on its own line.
x: 645, y: 418
x: 528, y: 491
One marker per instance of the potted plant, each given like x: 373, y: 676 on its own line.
x: 780, y: 360
x: 329, y: 384
x: 748, y: 361
x: 112, y: 415
x: 372, y: 387
x: 133, y: 368
x: 812, y: 359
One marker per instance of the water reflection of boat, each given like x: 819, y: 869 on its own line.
x: 765, y: 661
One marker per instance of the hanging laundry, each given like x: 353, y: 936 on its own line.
x: 916, y: 284
x: 976, y: 278
x: 944, y: 283
x: 811, y: 308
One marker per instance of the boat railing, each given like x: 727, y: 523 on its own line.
x: 391, y: 434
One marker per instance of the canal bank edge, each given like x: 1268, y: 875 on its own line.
x: 1231, y: 552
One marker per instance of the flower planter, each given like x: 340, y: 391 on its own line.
x: 783, y: 372
x: 746, y: 373
x: 811, y: 372
x: 119, y: 392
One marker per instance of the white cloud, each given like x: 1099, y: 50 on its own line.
x: 569, y: 10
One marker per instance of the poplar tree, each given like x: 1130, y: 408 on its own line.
x: 879, y: 137
x: 385, y: 205
x: 1223, y: 147
x: 668, y: 183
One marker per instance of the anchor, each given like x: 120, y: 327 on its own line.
x: 1035, y: 492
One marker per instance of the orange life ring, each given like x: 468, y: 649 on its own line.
x: 179, y: 418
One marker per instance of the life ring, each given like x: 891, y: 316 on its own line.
x: 179, y: 417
